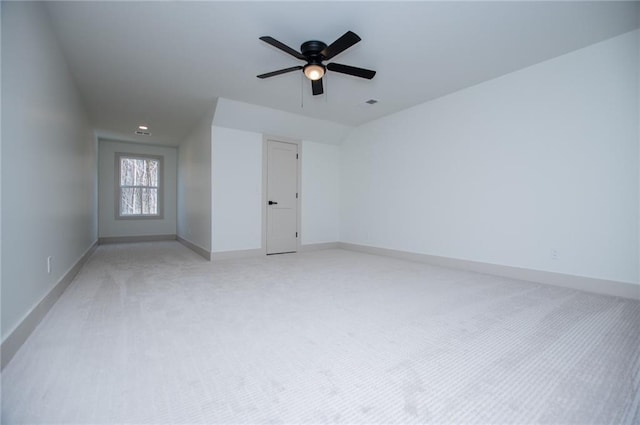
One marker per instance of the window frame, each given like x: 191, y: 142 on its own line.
x: 118, y: 187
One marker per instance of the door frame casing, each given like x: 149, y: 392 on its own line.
x: 265, y: 163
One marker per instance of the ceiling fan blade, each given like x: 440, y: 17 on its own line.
x: 340, y: 45
x: 351, y: 70
x: 283, y: 47
x: 316, y: 87
x: 280, y: 71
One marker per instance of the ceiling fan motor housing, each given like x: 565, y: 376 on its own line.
x: 311, y: 50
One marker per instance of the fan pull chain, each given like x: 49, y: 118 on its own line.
x: 326, y: 89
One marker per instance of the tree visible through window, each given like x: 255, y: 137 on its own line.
x: 139, y: 186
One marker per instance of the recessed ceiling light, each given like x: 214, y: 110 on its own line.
x: 142, y: 133
x: 143, y: 127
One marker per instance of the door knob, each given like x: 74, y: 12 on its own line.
x: 273, y: 203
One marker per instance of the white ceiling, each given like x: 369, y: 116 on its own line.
x: 163, y: 63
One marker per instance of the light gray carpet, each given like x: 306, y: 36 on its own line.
x: 151, y: 333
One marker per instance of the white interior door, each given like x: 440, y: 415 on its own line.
x: 282, y: 202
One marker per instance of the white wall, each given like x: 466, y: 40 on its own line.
x: 108, y: 225
x: 237, y: 173
x: 237, y: 190
x: 258, y: 119
x: 49, y: 205
x: 506, y: 171
x: 194, y: 184
x: 320, y: 193
x: 1, y: 333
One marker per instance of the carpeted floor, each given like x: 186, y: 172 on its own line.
x: 151, y: 333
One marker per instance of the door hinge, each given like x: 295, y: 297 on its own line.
x: 296, y: 234
x: 296, y: 195
x: 296, y: 156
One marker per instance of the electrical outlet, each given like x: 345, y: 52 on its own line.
x: 49, y: 258
x: 554, y: 254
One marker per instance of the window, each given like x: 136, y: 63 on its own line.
x: 139, y: 186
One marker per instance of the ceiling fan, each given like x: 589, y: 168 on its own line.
x: 314, y: 53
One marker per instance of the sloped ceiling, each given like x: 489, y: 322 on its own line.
x: 164, y: 63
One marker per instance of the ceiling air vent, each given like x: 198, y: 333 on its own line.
x: 371, y: 101
x: 142, y: 133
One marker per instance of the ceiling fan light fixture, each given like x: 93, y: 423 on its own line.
x: 314, y: 72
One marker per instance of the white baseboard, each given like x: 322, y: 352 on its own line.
x: 600, y: 286
x: 257, y: 252
x: 19, y: 335
x: 195, y: 248
x: 221, y: 255
x: 241, y: 253
x: 133, y: 239
x: 319, y: 246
